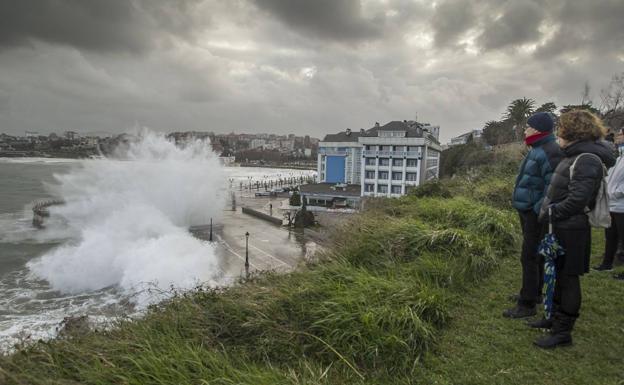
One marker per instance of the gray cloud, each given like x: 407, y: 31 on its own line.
x: 518, y: 24
x: 327, y: 19
x: 584, y: 28
x: 451, y: 19
x: 308, y: 67
x: 110, y: 25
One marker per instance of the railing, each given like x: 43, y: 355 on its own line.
x: 323, y: 151
x: 409, y: 154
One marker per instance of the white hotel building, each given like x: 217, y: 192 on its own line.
x: 384, y: 160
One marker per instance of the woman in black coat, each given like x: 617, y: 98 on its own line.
x: 580, y: 132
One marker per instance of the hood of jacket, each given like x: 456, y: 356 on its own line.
x: 605, y: 150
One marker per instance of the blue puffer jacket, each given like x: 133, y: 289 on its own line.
x: 535, y: 173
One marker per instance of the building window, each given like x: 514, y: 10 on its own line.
x: 399, y: 148
x: 411, y: 176
x: 369, y: 188
x: 371, y: 161
x: 369, y: 147
x: 412, y: 148
x: 385, y: 148
x: 397, y: 162
x: 396, y: 189
x: 397, y: 176
x: 384, y: 161
x: 412, y: 162
x: 382, y: 188
x: 383, y: 175
x: 370, y: 175
x: 322, y: 176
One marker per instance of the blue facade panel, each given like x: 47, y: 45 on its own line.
x: 335, y: 169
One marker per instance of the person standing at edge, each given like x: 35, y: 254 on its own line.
x: 579, y: 135
x: 533, y: 179
x: 615, y: 233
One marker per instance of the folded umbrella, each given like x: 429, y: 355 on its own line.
x: 550, y: 248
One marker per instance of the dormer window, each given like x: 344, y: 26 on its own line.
x: 392, y: 134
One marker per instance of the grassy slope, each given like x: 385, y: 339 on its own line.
x: 411, y: 293
x: 481, y: 347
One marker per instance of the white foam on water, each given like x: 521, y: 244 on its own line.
x: 127, y: 219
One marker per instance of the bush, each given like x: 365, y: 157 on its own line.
x: 431, y: 189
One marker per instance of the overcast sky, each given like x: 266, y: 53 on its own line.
x: 295, y: 66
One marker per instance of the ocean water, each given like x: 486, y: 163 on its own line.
x: 119, y: 243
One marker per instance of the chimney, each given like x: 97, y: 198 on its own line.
x: 376, y: 124
x: 348, y: 132
x: 362, y: 131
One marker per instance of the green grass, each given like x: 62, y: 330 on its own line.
x: 410, y: 292
x: 481, y: 347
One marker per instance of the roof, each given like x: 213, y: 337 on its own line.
x: 342, y: 137
x: 411, y: 130
x: 352, y: 190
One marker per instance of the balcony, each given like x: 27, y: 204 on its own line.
x: 324, y: 151
x: 394, y: 154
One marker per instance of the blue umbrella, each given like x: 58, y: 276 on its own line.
x: 550, y: 249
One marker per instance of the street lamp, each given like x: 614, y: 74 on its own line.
x: 210, y: 229
x: 247, y: 254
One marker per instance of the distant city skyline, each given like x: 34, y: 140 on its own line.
x: 296, y: 66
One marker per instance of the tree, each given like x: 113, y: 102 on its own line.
x: 612, y: 102
x: 497, y: 132
x: 587, y: 107
x: 517, y: 114
x: 295, y: 199
x: 547, y: 107
x: 585, y: 99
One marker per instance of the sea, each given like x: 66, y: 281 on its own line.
x: 118, y: 244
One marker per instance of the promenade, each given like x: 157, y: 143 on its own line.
x: 270, y: 247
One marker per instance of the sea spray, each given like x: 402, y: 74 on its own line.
x: 128, y: 217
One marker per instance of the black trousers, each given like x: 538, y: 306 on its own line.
x: 532, y: 263
x: 567, y: 298
x: 613, y: 235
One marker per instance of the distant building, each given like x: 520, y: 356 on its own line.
x: 70, y: 135
x: 257, y: 143
x: 463, y: 138
x: 384, y: 160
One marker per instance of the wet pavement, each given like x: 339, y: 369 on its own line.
x: 270, y: 247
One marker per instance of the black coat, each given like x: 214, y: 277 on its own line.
x: 569, y: 198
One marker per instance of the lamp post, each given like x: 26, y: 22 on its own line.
x: 247, y: 254
x: 210, y: 230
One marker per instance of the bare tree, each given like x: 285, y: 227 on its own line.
x: 585, y: 99
x: 612, y: 102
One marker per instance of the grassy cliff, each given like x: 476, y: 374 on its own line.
x: 386, y: 304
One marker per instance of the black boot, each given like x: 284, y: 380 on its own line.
x: 542, y: 323
x: 560, y: 333
x: 520, y: 311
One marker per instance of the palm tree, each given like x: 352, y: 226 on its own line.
x: 547, y: 107
x: 518, y: 112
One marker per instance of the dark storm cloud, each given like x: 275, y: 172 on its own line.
x: 450, y: 20
x: 96, y: 25
x: 592, y: 27
x: 518, y: 24
x: 326, y: 19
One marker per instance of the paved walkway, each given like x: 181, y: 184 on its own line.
x: 271, y: 247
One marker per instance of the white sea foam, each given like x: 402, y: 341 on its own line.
x: 127, y: 219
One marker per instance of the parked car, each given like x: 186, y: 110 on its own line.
x: 264, y: 194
